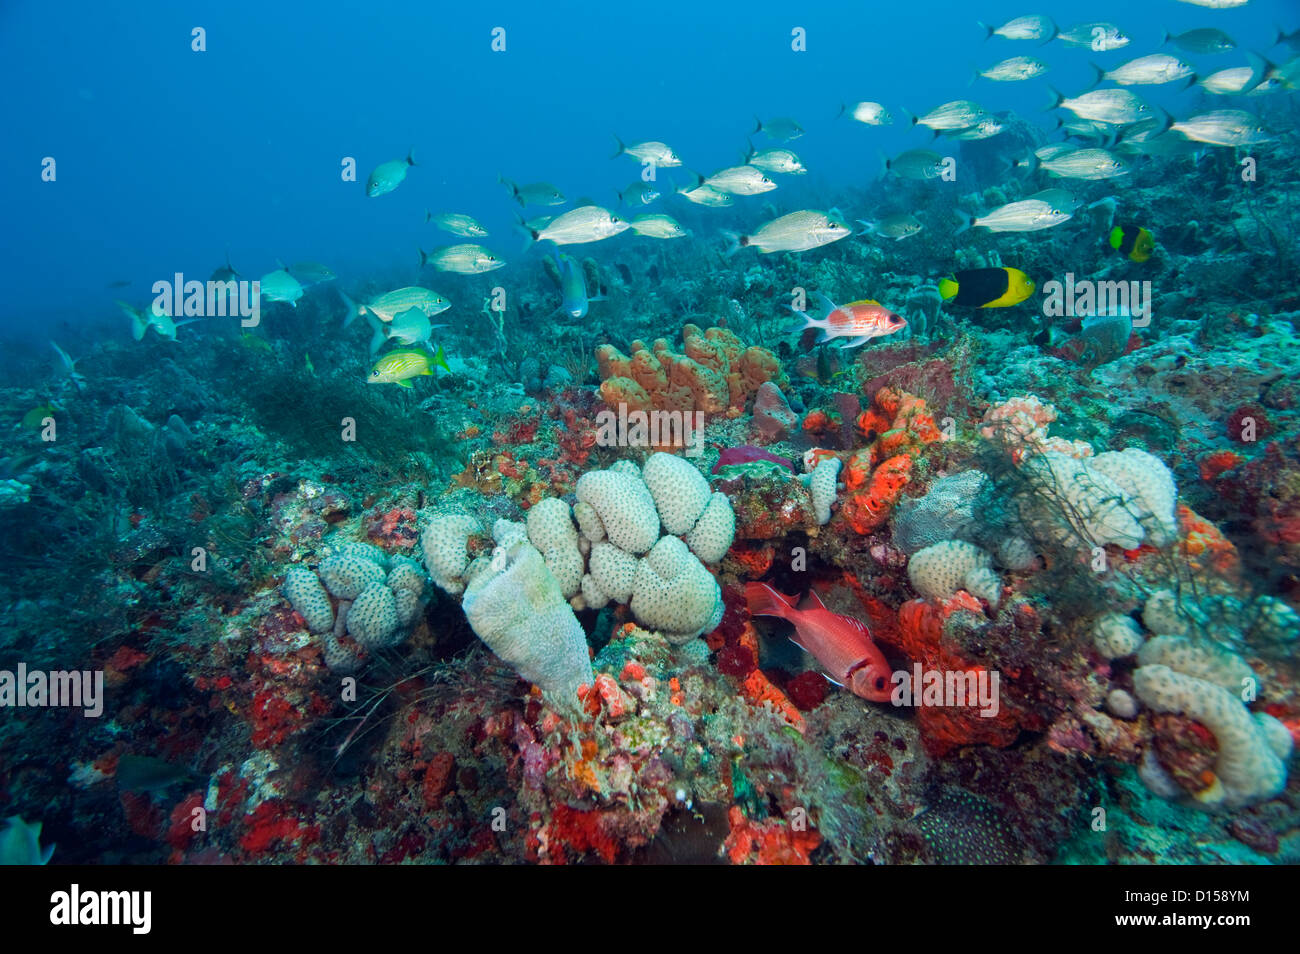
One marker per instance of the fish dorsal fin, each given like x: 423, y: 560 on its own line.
x: 816, y: 600
x: 826, y: 301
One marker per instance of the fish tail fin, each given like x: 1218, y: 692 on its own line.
x: 1097, y: 74
x: 379, y: 337
x: 1052, y: 34
x: 424, y: 258
x: 948, y: 288
x: 1030, y: 162
x: 765, y: 601
x: 353, y: 309
x: 1191, y: 81
x: 410, y: 156
x: 868, y: 228
x: 529, y: 235
x: 1057, y: 98
x: 513, y: 189
x: 758, y: 126
x: 440, y: 359
x: 1166, y: 120
x: 844, y: 108
x: 620, y: 150
x: 912, y: 117
x: 810, y: 322
x: 974, y: 75
x: 138, y: 326
x: 1165, y: 37
x: 749, y: 153
x: 988, y: 30
x: 428, y: 216
x: 967, y: 223
x: 735, y: 242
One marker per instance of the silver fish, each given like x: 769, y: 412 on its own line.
x: 534, y: 193
x: 916, y: 164
x: 897, y: 227
x: 782, y: 128
x: 389, y: 175
x: 463, y: 259
x: 986, y: 128
x: 1223, y: 127
x: 775, y: 160
x: 1062, y: 199
x: 1027, y: 215
x: 311, y: 273
x: 1086, y: 164
x: 796, y: 232
x: 1023, y: 28
x: 706, y: 195
x: 652, y: 153
x: 1149, y: 70
x: 1206, y: 40
x: 1099, y: 37
x: 1117, y: 107
x: 457, y: 224
x: 389, y: 305
x: 959, y: 114
x: 281, y: 286
x: 873, y: 114
x: 1217, y: 4
x: 1014, y: 69
x: 588, y: 223
x: 657, y: 226
x: 638, y: 193
x: 1236, y: 80
x: 740, y: 180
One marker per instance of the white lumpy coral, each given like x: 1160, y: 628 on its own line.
x: 626, y: 509
x: 679, y: 490
x: 823, y: 485
x: 1016, y: 553
x: 1202, y: 660
x: 940, y: 570
x: 551, y: 530
x: 1071, y: 502
x: 303, y: 589
x: 673, y: 592
x: 1116, y: 635
x: 1150, y: 493
x: 347, y: 572
x: 613, y: 571
x: 445, y: 544
x: 514, y: 604
x: 1251, y: 764
x: 712, y: 535
x: 373, y: 618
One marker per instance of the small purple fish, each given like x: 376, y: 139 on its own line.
x: 747, y: 454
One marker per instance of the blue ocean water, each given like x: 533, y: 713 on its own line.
x: 167, y: 157
x: 198, y: 520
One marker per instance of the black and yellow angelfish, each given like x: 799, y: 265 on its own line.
x: 987, y: 287
x: 1134, y: 242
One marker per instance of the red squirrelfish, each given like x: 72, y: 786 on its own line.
x: 840, y: 643
x: 858, y: 320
